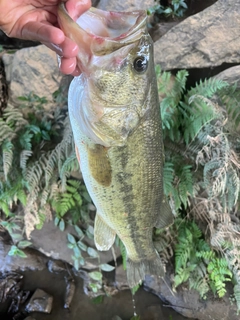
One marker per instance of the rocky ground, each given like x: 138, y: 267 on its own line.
x: 205, y: 43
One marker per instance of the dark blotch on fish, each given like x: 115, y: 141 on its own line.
x: 99, y: 165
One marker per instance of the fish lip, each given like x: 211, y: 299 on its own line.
x: 128, y: 37
x: 139, y: 23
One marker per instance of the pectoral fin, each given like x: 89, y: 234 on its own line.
x: 165, y: 217
x: 104, y: 236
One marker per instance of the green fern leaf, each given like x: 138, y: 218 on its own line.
x: 208, y: 87
x: 7, y: 150
x: 168, y: 176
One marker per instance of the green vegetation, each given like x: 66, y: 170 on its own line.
x: 174, y: 8
x: 201, y: 180
x: 38, y: 169
x: 196, y: 263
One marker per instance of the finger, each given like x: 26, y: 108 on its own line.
x: 42, y: 32
x: 75, y: 7
x: 66, y: 49
x: 68, y: 65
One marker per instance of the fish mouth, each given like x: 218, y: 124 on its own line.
x: 99, y: 32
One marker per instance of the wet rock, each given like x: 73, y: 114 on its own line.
x: 41, y: 301
x: 34, y: 70
x: 188, y: 303
x: 56, y: 266
x: 33, y: 261
x: 10, y: 285
x: 69, y: 294
x: 129, y: 5
x: 18, y: 300
x: 209, y: 38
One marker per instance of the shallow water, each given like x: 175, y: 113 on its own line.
x: 148, y: 306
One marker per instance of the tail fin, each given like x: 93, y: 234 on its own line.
x: 136, y: 270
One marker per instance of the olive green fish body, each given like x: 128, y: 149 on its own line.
x: 115, y: 117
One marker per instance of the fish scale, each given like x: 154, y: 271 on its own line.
x: 115, y: 117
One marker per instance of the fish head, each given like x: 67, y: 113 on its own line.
x: 116, y: 59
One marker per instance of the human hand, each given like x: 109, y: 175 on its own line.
x: 37, y: 20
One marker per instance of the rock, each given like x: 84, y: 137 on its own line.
x: 32, y: 70
x: 53, y: 243
x: 29, y: 318
x: 57, y: 266
x: 230, y: 75
x: 161, y: 28
x: 207, y: 39
x: 129, y: 5
x: 69, y: 294
x: 188, y: 303
x: 10, y: 285
x: 121, y: 278
x: 34, y: 260
x: 41, y: 301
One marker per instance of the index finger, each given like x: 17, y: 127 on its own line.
x: 43, y: 32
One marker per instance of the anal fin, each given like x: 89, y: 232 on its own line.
x: 104, y: 236
x: 165, y: 217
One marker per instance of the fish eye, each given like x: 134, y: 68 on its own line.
x: 140, y: 64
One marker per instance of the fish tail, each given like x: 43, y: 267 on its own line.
x: 136, y: 270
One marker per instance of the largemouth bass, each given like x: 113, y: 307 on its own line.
x: 115, y: 117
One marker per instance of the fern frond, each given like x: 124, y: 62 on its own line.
x: 31, y: 216
x: 196, y: 113
x: 24, y: 156
x: 14, y: 118
x: 25, y: 140
x: 61, y: 152
x: 180, y: 84
x: 208, y: 87
x: 200, y: 282
x: 236, y: 290
x: 7, y: 153
x: 6, y: 132
x: 168, y: 177
x: 185, y: 185
x: 230, y: 97
x: 34, y: 175
x: 70, y: 164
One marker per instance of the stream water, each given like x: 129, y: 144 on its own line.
x: 147, y: 305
